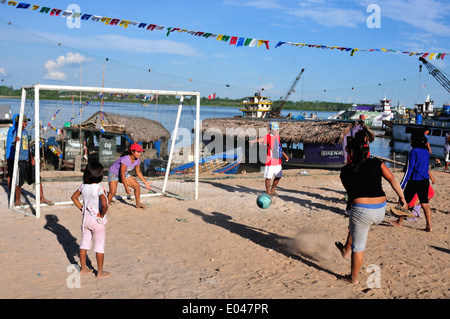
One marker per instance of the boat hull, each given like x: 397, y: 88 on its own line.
x: 401, y: 137
x: 222, y: 163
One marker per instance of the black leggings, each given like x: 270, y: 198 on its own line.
x: 417, y: 187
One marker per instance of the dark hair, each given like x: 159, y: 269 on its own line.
x: 93, y: 173
x: 418, y: 139
x: 360, y: 147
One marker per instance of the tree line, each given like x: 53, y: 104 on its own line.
x: 10, y: 92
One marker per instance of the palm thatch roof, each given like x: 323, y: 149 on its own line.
x: 137, y: 128
x: 294, y: 131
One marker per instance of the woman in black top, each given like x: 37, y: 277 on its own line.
x: 362, y: 179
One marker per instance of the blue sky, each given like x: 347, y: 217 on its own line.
x: 36, y: 47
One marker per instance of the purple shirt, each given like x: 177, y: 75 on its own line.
x: 125, y: 160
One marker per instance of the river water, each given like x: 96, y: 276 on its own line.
x: 380, y: 147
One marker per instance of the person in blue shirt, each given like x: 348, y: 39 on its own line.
x: 447, y: 151
x: 416, y: 179
x: 23, y: 165
x: 10, y: 153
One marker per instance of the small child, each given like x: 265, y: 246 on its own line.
x: 94, y: 207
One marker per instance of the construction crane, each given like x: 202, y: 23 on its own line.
x: 436, y: 73
x: 275, y: 111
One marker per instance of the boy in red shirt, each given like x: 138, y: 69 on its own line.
x: 274, y: 154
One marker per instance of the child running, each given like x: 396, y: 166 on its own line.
x: 118, y: 172
x: 362, y: 179
x: 94, y: 207
x: 417, y: 177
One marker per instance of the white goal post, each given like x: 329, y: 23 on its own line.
x: 37, y: 88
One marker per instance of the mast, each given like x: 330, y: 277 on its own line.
x: 275, y: 111
x: 436, y: 73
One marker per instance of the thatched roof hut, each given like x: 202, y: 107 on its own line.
x: 291, y: 131
x: 137, y: 128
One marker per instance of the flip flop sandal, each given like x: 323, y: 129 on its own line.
x: 400, y: 211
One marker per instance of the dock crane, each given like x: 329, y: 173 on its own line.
x: 436, y: 73
x: 275, y: 111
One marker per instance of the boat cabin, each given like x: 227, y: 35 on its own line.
x: 256, y: 106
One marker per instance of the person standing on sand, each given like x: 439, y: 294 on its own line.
x: 24, y: 169
x: 362, y: 179
x: 273, y: 166
x: 416, y: 179
x: 94, y: 208
x: 447, y: 151
x: 118, y: 172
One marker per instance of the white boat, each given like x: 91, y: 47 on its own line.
x: 372, y: 115
x: 423, y: 115
x: 256, y: 106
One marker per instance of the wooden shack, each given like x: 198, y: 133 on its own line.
x: 308, y: 143
x: 104, y: 137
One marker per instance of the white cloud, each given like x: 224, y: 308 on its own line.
x: 326, y: 13
x: 426, y: 15
x: 54, y: 67
x: 134, y: 45
x: 125, y: 44
x: 3, y: 72
x: 259, y: 4
x: 331, y: 16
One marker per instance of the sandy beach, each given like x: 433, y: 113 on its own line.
x: 222, y: 246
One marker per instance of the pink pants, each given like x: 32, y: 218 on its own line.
x: 91, y: 228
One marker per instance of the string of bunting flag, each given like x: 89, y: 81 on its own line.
x: 238, y: 41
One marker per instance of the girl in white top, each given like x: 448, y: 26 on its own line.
x: 94, y: 207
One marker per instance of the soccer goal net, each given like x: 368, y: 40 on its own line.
x: 69, y: 126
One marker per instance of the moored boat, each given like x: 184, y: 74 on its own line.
x: 372, y: 115
x: 226, y: 163
x: 256, y: 106
x: 423, y: 115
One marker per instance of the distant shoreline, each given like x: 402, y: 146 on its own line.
x: 218, y: 102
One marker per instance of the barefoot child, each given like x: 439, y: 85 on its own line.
x: 416, y: 179
x: 94, y: 207
x: 118, y: 172
x: 362, y: 179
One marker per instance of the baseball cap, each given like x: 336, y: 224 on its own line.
x: 274, y: 126
x: 136, y: 147
x: 25, y: 119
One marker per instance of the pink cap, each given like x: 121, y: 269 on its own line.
x: 136, y: 147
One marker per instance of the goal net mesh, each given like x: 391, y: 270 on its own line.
x: 76, y: 125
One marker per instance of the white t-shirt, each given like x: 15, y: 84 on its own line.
x: 91, y: 199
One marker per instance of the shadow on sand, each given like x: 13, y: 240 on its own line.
x: 65, y: 239
x: 269, y: 240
